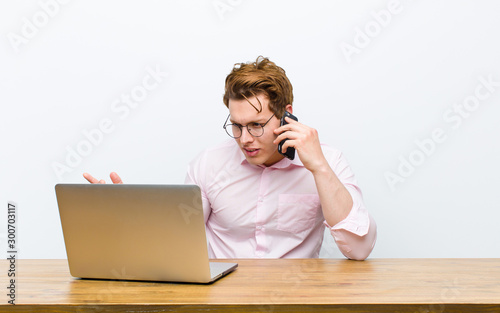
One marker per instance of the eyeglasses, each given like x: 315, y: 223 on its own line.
x: 254, y: 129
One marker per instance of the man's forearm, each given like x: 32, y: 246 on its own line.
x: 336, y: 201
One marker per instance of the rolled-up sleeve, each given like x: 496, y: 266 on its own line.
x: 355, y: 242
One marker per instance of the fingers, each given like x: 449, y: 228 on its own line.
x: 290, y: 120
x: 290, y: 135
x: 292, y: 124
x: 288, y: 143
x: 115, y: 178
x: 91, y: 179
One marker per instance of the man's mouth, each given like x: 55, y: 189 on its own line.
x: 251, y: 152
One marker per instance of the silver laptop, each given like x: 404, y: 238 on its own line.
x: 136, y: 232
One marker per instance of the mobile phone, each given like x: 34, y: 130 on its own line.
x: 290, y: 152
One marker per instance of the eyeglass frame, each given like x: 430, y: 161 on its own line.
x: 246, y: 126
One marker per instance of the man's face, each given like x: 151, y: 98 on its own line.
x: 257, y: 150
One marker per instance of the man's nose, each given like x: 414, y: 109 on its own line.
x: 245, y: 136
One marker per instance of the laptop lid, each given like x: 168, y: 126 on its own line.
x: 136, y: 232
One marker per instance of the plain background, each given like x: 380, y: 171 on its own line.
x: 410, y: 70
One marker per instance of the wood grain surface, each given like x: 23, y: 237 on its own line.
x: 272, y: 285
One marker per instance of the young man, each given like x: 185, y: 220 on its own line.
x: 259, y: 204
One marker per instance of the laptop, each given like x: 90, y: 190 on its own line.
x: 136, y: 232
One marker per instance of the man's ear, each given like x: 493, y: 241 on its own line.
x: 289, y: 108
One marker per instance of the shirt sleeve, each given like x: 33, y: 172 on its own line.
x: 195, y: 176
x: 356, y: 234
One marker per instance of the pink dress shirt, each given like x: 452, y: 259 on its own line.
x: 274, y: 212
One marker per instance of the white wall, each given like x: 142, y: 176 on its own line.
x: 373, y: 96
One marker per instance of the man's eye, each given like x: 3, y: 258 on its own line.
x: 255, y: 125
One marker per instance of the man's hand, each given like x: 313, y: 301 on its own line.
x: 336, y: 202
x: 306, y: 141
x: 114, y: 178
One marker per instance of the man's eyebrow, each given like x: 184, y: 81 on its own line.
x: 260, y: 122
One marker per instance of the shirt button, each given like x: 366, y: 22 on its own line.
x: 259, y: 227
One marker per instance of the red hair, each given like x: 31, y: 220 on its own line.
x: 248, y: 80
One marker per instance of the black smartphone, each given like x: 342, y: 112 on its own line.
x: 290, y: 152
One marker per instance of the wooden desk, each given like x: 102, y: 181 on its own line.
x: 314, y: 285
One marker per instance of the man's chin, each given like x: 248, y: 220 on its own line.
x: 264, y: 160
x: 254, y: 161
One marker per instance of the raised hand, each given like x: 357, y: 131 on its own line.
x: 306, y: 141
x: 114, y: 178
